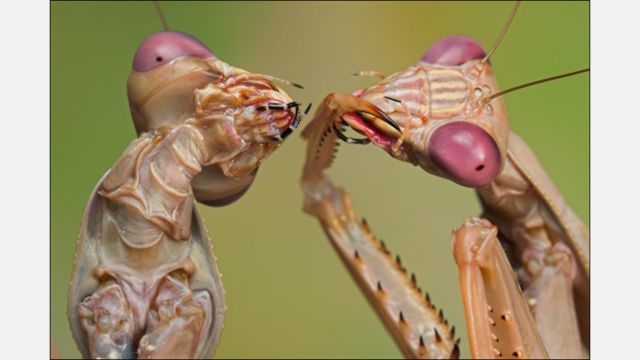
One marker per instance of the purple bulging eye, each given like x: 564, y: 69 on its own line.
x: 165, y: 46
x: 453, y: 51
x: 465, y: 153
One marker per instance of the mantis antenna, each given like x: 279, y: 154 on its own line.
x: 500, y: 93
x: 501, y: 35
x: 165, y: 24
x: 495, y: 46
x: 163, y: 19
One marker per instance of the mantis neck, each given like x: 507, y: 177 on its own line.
x: 151, y: 185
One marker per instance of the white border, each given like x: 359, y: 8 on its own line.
x: 24, y: 149
x: 615, y: 178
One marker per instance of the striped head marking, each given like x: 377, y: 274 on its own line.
x: 460, y: 148
x: 447, y: 128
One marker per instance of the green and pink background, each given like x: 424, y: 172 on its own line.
x: 288, y: 294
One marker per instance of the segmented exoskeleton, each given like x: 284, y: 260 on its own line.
x: 145, y: 282
x: 445, y: 114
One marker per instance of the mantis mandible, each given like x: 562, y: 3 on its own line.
x: 145, y: 282
x: 446, y: 115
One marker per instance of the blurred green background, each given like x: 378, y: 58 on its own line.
x: 288, y: 294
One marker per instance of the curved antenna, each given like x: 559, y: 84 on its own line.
x: 502, y: 33
x: 163, y: 19
x: 500, y: 93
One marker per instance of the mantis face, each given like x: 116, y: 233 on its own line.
x: 243, y: 117
x: 445, y: 121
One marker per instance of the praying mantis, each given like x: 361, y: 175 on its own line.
x: 445, y: 114
x: 145, y: 283
x: 276, y: 186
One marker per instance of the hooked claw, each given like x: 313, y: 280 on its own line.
x: 361, y: 115
x: 296, y: 118
x: 348, y: 139
x: 335, y: 111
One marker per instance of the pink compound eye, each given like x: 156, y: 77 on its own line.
x: 165, y: 46
x: 465, y: 153
x: 453, y: 51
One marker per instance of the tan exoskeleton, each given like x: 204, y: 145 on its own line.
x: 145, y: 282
x: 445, y: 115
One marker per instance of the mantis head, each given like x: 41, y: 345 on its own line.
x: 469, y: 148
x: 437, y: 114
x: 242, y: 116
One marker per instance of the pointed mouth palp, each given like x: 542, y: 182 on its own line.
x: 295, y: 120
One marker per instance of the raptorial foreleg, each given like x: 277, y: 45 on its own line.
x: 499, y: 322
x: 418, y: 328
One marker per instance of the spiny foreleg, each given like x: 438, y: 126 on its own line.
x: 499, y: 322
x: 419, y: 330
